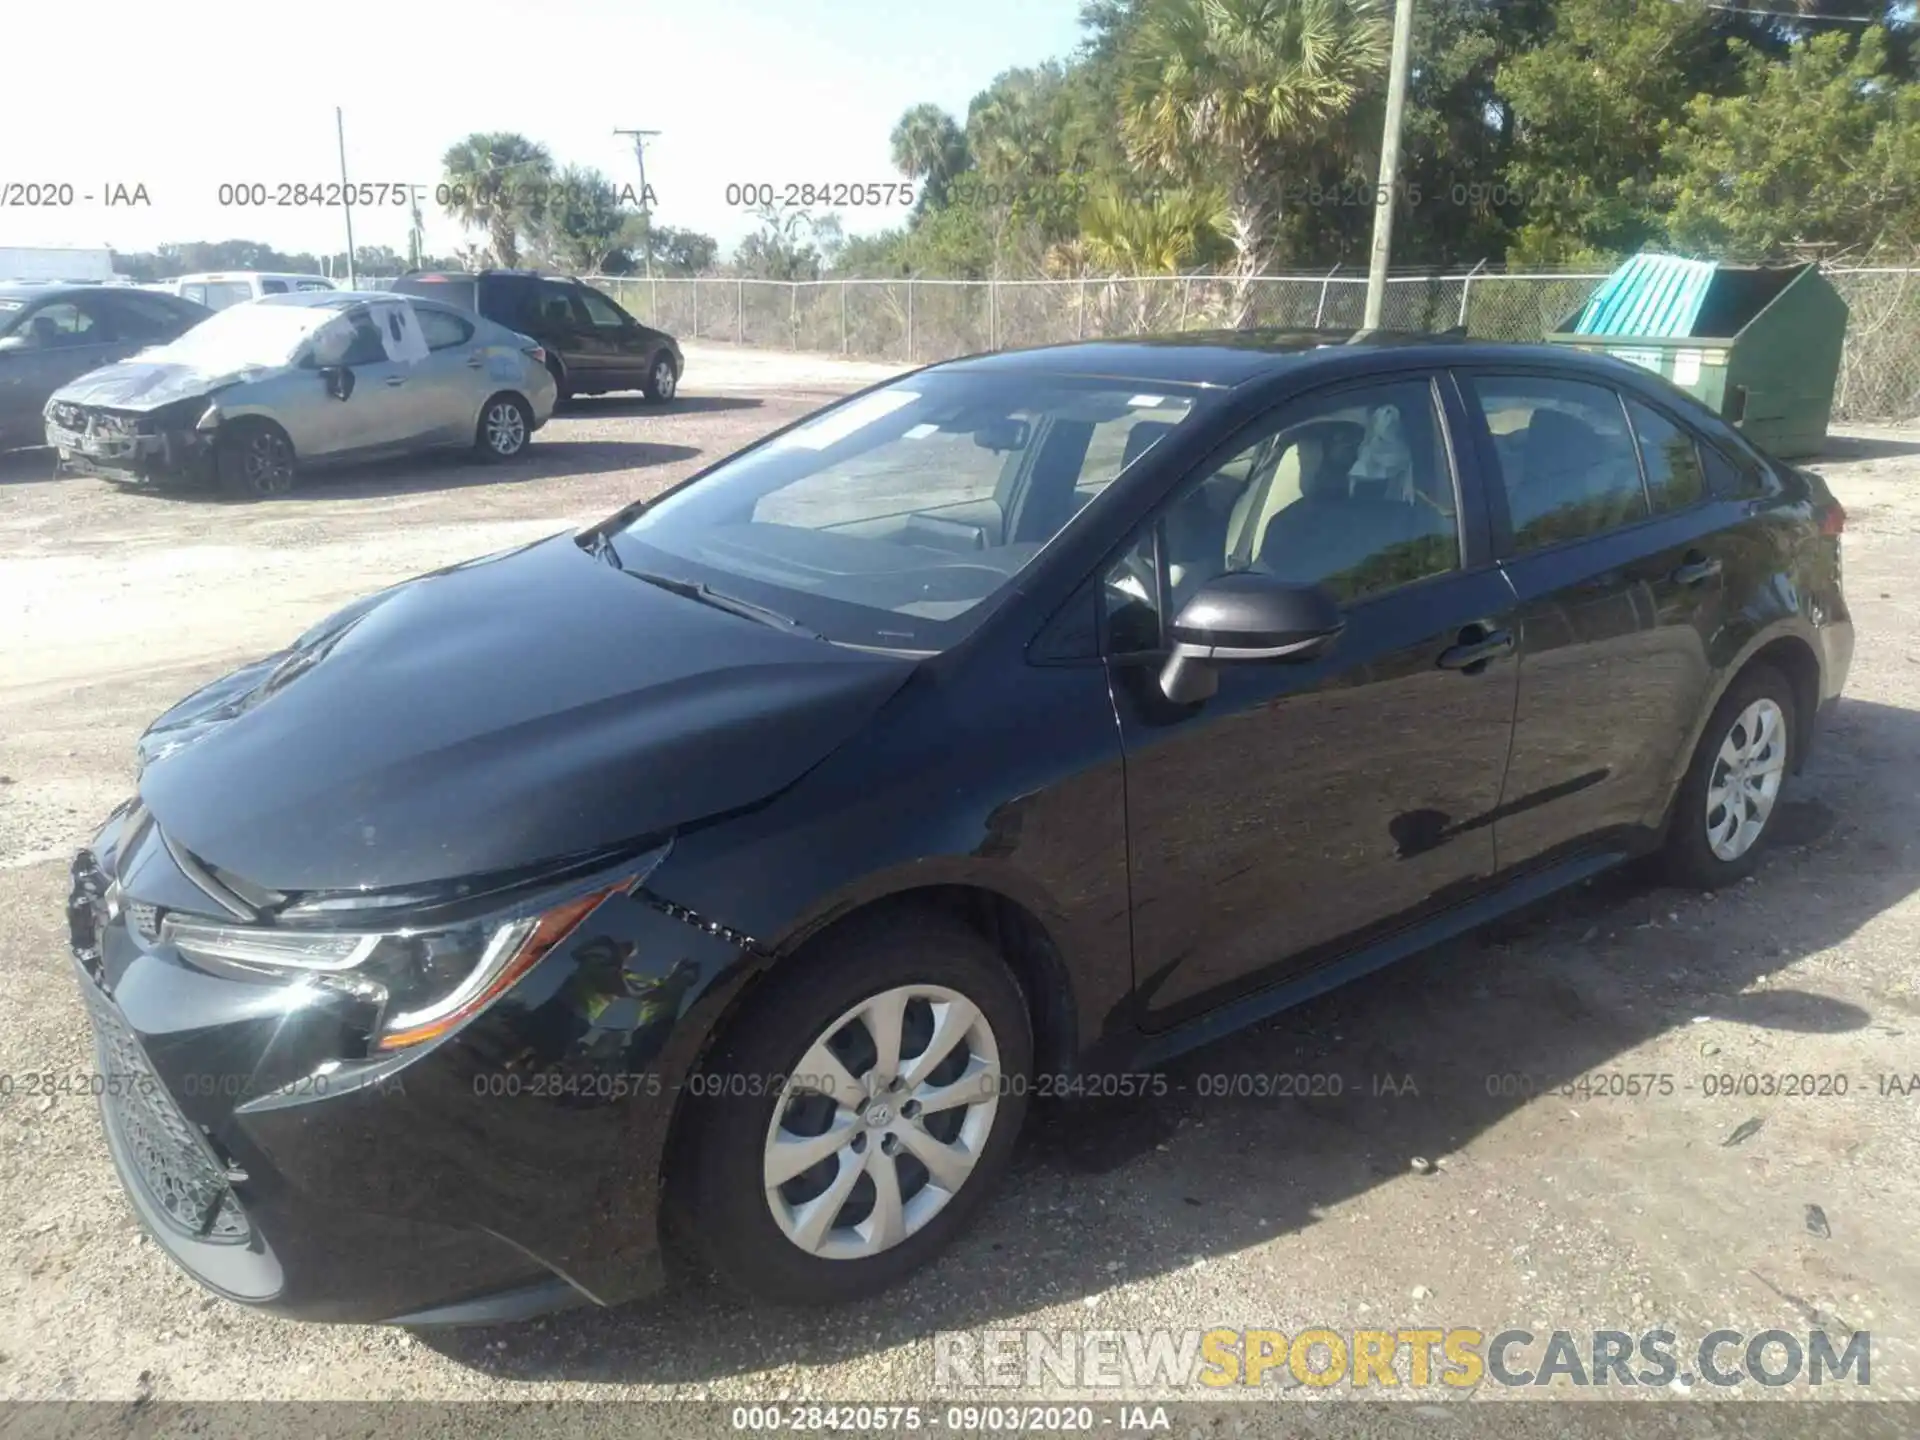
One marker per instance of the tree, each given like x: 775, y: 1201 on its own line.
x: 497, y: 182
x: 1824, y: 148
x: 683, y: 252
x: 1242, y: 90
x: 1158, y: 237
x: 929, y: 146
x: 583, y: 223
x: 1593, y: 104
x: 791, y: 244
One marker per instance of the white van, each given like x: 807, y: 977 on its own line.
x: 231, y: 287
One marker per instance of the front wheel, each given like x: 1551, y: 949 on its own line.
x: 1728, y: 800
x: 505, y: 425
x: 663, y: 380
x: 858, y: 1116
x: 254, y: 461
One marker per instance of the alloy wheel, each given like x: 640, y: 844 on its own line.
x: 267, y: 464
x: 663, y: 378
x: 1746, y: 779
x: 882, y: 1120
x: 506, y: 428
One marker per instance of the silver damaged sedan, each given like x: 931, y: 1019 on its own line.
x: 267, y: 390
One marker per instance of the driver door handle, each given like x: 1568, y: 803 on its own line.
x: 394, y: 382
x: 1476, y: 648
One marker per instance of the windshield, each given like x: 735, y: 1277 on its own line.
x: 889, y: 519
x: 245, y: 337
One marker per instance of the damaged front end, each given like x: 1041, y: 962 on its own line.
x: 170, y: 444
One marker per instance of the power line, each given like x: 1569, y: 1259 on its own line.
x: 1804, y: 17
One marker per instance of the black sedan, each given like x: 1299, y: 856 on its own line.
x: 739, y: 868
x: 52, y: 333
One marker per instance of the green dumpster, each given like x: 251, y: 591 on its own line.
x: 1759, y: 344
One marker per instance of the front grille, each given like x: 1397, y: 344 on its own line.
x: 169, y: 1157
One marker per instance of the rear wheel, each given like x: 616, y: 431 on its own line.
x: 905, y: 1044
x: 663, y: 380
x: 561, y: 391
x: 505, y: 425
x: 254, y: 460
x: 1727, y: 802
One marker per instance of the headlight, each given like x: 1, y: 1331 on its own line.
x: 421, y: 981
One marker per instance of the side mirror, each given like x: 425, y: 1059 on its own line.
x: 1245, y: 616
x: 339, y: 380
x: 12, y: 342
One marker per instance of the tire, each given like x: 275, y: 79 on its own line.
x: 663, y: 379
x: 1712, y: 844
x: 254, y: 461
x: 561, y: 393
x: 722, y: 1197
x: 506, y: 425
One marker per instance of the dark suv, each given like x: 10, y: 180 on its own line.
x: 592, y: 344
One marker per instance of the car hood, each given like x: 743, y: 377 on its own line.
x: 145, y: 384
x: 494, y: 715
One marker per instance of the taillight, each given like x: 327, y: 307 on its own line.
x: 538, y: 352
x: 1833, y: 520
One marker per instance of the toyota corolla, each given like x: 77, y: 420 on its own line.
x: 735, y: 869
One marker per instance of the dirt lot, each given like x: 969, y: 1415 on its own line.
x: 1540, y: 1211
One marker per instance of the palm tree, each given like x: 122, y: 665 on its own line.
x: 1157, y: 237
x: 1161, y: 236
x: 928, y: 144
x: 497, y: 182
x: 1238, y: 88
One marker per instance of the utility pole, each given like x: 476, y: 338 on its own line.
x: 1385, y: 196
x: 640, y: 138
x: 346, y: 195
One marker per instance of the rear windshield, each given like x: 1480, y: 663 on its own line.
x: 452, y: 290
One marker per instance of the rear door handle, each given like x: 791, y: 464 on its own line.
x: 1696, y: 571
x: 396, y: 381
x: 476, y: 363
x: 1477, y: 647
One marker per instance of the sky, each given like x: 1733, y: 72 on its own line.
x: 781, y: 91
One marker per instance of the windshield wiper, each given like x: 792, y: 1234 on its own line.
x: 732, y: 604
x: 599, y: 544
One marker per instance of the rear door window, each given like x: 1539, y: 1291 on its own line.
x: 443, y: 331
x: 604, y: 314
x: 1671, y: 456
x: 558, y: 307
x: 1567, y: 459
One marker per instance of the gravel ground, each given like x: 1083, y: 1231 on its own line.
x: 1184, y: 1210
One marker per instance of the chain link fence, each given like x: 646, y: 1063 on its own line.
x: 916, y: 321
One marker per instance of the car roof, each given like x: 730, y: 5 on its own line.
x: 1226, y: 359
x: 204, y: 275
x: 335, y: 298
x: 41, y: 289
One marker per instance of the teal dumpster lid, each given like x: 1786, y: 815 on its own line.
x: 1650, y: 295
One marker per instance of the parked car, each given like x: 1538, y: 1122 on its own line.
x: 592, y: 345
x: 265, y: 391
x: 750, y: 858
x: 50, y: 333
x: 219, y: 289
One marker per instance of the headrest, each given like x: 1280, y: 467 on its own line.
x: 1143, y: 436
x: 1558, y: 443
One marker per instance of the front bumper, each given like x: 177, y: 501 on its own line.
x: 177, y: 456
x: 510, y: 1168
